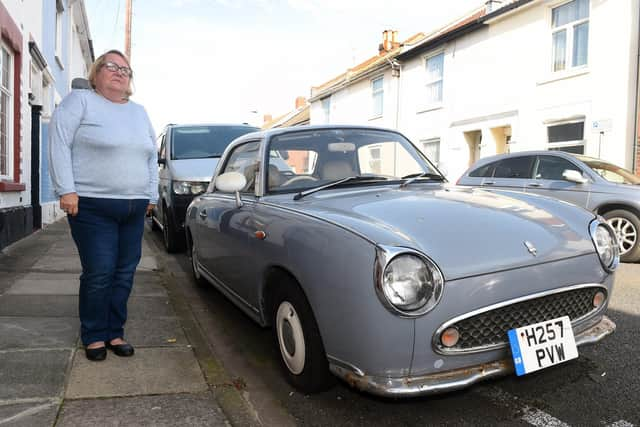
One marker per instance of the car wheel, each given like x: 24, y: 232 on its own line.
x: 627, y: 226
x: 297, y: 339
x: 172, y: 241
x: 193, y: 254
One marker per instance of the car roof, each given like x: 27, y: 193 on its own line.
x: 279, y: 131
x: 189, y: 125
x: 486, y: 160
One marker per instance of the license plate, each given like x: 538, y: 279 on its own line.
x: 543, y: 344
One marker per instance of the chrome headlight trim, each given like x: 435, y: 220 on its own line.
x: 385, y: 255
x: 186, y: 188
x: 611, y: 262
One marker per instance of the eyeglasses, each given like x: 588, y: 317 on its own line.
x: 113, y: 67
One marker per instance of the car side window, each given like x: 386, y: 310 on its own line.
x: 514, y: 167
x: 485, y: 171
x: 551, y: 167
x: 245, y: 159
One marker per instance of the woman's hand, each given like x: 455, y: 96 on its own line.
x: 150, y: 208
x: 69, y: 203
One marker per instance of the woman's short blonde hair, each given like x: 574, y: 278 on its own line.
x: 99, y: 63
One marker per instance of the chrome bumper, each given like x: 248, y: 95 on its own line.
x: 450, y: 380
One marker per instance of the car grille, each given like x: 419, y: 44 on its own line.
x: 489, y: 329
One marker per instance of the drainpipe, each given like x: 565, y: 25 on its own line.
x: 635, y: 115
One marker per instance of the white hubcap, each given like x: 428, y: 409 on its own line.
x: 290, y: 337
x: 625, y: 232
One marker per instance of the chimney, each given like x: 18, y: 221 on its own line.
x: 389, y: 41
x: 267, y: 118
x: 301, y: 101
x: 491, y: 5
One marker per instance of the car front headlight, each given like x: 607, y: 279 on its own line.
x: 606, y: 244
x: 189, y: 187
x: 408, y: 283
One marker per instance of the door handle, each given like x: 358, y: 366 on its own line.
x: 203, y: 213
x: 488, y: 183
x: 534, y: 184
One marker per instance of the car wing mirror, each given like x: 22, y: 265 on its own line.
x: 574, y: 176
x: 231, y: 182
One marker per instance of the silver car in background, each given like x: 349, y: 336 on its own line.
x: 599, y: 186
x: 367, y: 265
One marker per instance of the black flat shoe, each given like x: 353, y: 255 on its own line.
x: 96, y: 354
x: 122, y: 350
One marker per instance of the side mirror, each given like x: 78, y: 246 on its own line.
x: 231, y: 182
x: 574, y: 176
x: 162, y: 162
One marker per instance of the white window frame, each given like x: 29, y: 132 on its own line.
x: 377, y: 97
x: 8, y: 92
x: 59, y: 30
x: 326, y: 108
x: 425, y: 142
x: 375, y: 159
x: 568, y: 28
x: 432, y: 81
x: 569, y: 143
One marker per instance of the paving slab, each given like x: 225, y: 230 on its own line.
x: 148, y: 307
x: 198, y: 409
x: 158, y: 332
x: 33, y: 414
x: 147, y: 285
x: 38, y: 332
x: 58, y: 263
x: 32, y: 373
x: 46, y: 284
x: 149, y: 371
x: 42, y: 306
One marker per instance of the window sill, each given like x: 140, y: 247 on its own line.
x: 428, y: 108
x: 6, y: 186
x: 562, y: 75
x: 375, y: 118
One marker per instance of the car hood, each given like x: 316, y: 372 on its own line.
x: 193, y: 169
x: 465, y: 231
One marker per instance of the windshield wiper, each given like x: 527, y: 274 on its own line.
x: 420, y: 175
x: 338, y: 182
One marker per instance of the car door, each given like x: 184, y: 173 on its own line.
x: 510, y: 173
x: 548, y: 180
x: 164, y: 177
x: 223, y: 228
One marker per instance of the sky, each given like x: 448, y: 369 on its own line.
x: 230, y: 61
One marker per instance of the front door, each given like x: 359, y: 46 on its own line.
x: 548, y: 181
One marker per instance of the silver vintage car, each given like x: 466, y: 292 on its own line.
x: 367, y: 265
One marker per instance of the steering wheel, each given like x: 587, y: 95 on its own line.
x: 297, y: 179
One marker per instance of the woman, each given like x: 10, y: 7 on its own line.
x: 103, y: 166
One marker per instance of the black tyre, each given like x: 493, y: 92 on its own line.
x: 297, y: 339
x: 173, y: 241
x: 627, y: 228
x: 193, y: 255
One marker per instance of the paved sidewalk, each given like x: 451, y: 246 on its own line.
x: 45, y: 379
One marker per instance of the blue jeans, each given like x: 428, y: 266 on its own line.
x: 108, y: 234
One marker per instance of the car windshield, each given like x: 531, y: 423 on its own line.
x: 198, y: 142
x: 611, y: 172
x: 303, y: 160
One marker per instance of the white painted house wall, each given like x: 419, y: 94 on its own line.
x: 354, y: 103
x: 501, y: 76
